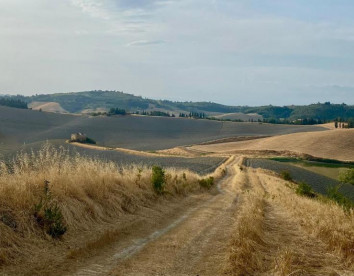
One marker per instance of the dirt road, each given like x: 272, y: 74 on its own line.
x: 195, y: 243
x: 247, y: 228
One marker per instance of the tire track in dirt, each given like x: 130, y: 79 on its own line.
x: 195, y: 242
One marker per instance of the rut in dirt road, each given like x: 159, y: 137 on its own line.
x: 196, y: 243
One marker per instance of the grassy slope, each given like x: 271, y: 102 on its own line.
x: 318, y: 182
x: 331, y: 144
x: 280, y: 233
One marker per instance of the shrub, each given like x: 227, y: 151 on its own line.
x: 49, y: 215
x: 347, y: 176
x: 286, y: 175
x: 206, y: 182
x: 158, y: 179
x: 334, y: 194
x: 90, y: 141
x: 305, y: 190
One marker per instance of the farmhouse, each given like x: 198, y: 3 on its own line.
x: 78, y: 137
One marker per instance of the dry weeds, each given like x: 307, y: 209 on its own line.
x: 280, y: 233
x: 87, y: 191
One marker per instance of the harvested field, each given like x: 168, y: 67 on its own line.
x: 330, y: 144
x: 132, y: 132
x: 47, y: 106
x: 318, y: 182
x: 199, y: 164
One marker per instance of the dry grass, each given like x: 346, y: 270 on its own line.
x: 332, y: 144
x: 47, y: 107
x: 247, y: 243
x: 280, y: 233
x: 324, y: 220
x: 88, y: 192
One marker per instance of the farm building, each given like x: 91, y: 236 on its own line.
x: 78, y: 137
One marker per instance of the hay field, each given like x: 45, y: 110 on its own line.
x: 47, y: 107
x: 330, y: 144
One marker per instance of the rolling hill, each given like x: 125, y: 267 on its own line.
x: 330, y: 144
x: 22, y: 126
x: 90, y: 101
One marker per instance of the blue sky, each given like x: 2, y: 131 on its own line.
x: 243, y: 52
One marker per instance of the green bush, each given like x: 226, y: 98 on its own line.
x: 206, y: 182
x: 347, y: 176
x: 334, y: 194
x: 90, y: 141
x: 305, y: 190
x: 286, y: 175
x: 49, y: 215
x: 158, y: 179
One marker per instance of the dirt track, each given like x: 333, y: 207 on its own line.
x: 194, y: 243
x: 197, y: 239
x: 200, y: 235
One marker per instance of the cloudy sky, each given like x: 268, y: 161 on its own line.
x: 234, y: 52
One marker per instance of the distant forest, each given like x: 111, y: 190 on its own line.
x: 13, y: 102
x: 76, y: 102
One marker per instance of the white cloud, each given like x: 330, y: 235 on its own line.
x: 93, y: 8
x: 145, y: 42
x: 225, y: 51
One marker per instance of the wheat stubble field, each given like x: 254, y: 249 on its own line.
x: 204, y: 210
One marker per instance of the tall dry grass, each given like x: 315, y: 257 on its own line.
x: 278, y: 232
x: 248, y: 244
x: 323, y: 219
x: 87, y: 191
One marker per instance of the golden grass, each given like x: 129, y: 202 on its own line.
x: 331, y: 144
x: 278, y: 232
x: 323, y: 219
x: 248, y: 242
x: 88, y: 192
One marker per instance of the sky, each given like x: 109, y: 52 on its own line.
x: 235, y: 52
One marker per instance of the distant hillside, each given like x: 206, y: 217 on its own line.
x: 240, y: 116
x: 90, y: 101
x: 23, y: 126
x: 47, y: 106
x: 77, y: 102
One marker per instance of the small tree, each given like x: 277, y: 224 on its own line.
x: 305, y: 190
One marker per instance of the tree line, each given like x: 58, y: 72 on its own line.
x: 13, y: 102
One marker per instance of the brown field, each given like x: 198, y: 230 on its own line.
x: 330, y: 144
x: 240, y: 116
x: 47, y: 107
x: 250, y: 222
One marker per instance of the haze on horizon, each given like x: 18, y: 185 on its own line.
x: 243, y: 52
